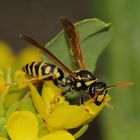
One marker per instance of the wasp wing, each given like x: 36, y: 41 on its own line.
x: 73, y: 38
x: 48, y: 53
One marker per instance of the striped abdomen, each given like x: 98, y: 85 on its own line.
x: 38, y: 69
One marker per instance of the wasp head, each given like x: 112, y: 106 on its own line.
x: 98, y: 92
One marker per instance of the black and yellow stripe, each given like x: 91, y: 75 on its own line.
x: 37, y: 69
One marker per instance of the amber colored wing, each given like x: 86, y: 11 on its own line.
x: 74, y: 41
x: 48, y: 53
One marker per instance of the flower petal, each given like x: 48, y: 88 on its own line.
x: 58, y: 135
x: 22, y: 125
x: 6, y: 56
x: 71, y: 116
x: 67, y: 117
x: 2, y: 138
x: 49, y: 91
x: 38, y: 102
x: 93, y: 108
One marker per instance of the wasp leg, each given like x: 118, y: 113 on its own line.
x: 68, y: 91
x: 82, y: 100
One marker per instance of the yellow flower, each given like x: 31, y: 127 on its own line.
x: 10, y: 101
x: 23, y: 125
x: 61, y: 115
x: 10, y: 71
x: 58, y: 135
x: 6, y: 56
x: 6, y: 61
x: 2, y: 138
x: 52, y: 115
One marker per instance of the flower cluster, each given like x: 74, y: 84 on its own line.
x: 29, y: 114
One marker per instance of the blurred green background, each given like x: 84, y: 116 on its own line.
x: 120, y: 62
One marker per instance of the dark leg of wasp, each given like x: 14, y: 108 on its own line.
x: 82, y: 100
x: 68, y: 91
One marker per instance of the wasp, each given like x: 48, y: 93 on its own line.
x: 81, y: 80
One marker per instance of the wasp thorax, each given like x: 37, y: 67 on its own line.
x: 97, y: 92
x: 82, y: 81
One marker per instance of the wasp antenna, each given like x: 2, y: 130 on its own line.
x: 125, y: 84
x: 120, y: 85
x: 30, y: 40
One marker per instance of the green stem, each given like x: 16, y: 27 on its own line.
x: 80, y: 132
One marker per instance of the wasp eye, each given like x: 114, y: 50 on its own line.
x: 92, y: 91
x: 97, y: 93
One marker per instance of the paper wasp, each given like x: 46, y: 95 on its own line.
x: 81, y: 80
